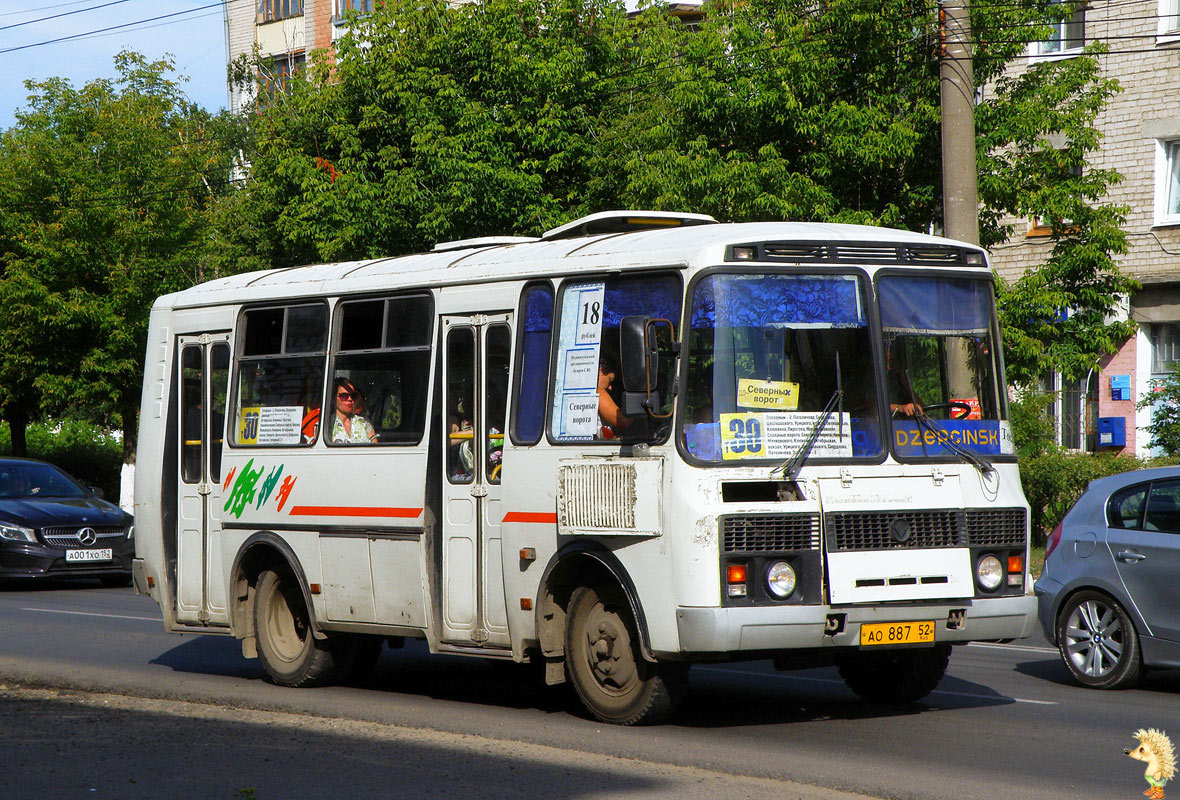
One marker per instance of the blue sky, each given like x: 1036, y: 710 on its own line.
x: 195, y: 38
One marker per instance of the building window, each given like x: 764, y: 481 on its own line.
x: 359, y: 6
x: 1167, y: 182
x: 1068, y: 31
x: 1042, y: 225
x: 1165, y: 347
x: 278, y: 79
x: 270, y: 10
x: 1074, y: 410
x: 1169, y: 17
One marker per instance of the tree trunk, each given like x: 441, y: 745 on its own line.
x: 18, y: 422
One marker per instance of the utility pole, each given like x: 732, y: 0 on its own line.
x: 960, y: 193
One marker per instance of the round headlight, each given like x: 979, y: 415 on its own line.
x: 780, y: 579
x: 989, y: 572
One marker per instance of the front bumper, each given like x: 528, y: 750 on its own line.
x: 735, y: 630
x: 37, y: 560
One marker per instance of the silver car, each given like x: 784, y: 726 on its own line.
x: 1109, y: 594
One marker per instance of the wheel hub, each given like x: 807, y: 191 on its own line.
x: 609, y: 652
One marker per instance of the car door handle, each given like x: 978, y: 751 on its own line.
x: 1129, y: 556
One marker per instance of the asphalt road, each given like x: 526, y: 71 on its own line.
x: 1005, y: 722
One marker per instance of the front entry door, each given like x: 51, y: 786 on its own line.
x: 204, y: 378
x: 475, y: 392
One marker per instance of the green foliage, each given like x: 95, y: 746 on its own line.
x: 106, y: 192
x: 1164, y: 402
x: 1035, y: 136
x: 1053, y: 481
x: 1032, y: 428
x: 89, y: 453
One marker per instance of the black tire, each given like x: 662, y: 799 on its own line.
x: 1098, y: 643
x: 290, y: 653
x: 894, y: 676
x: 611, y: 677
x: 115, y: 581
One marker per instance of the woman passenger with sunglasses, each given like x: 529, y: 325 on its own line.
x: 348, y: 426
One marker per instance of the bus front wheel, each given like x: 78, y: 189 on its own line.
x: 608, y: 672
x: 895, y: 676
x: 290, y: 653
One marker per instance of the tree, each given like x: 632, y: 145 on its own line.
x: 1164, y: 402
x: 106, y: 192
x: 502, y: 116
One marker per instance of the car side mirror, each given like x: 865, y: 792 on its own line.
x: 96, y: 491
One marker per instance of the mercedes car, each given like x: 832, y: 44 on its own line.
x: 53, y: 526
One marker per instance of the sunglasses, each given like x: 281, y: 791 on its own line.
x: 347, y: 395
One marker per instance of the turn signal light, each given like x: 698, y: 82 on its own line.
x: 735, y: 573
x: 1015, y: 564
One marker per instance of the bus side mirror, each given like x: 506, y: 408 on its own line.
x: 639, y: 361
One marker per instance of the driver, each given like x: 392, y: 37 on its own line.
x: 902, y: 397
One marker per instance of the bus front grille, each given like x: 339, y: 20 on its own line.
x: 1002, y: 527
x: 766, y: 533
x: 914, y: 530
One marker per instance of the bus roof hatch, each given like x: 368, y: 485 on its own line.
x: 625, y: 222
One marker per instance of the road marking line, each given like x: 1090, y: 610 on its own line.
x: 1027, y: 648
x: 833, y: 680
x: 91, y: 614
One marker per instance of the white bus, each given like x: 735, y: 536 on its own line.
x: 639, y: 441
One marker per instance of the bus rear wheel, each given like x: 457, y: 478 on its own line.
x: 289, y: 650
x: 608, y: 672
x: 895, y: 676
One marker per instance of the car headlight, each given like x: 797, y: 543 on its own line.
x: 15, y: 533
x: 780, y: 579
x: 989, y: 572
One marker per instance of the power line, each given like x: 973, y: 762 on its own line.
x: 63, y: 14
x: 42, y: 8
x: 220, y: 4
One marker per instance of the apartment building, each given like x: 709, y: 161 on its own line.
x: 284, y: 33
x: 1141, y: 127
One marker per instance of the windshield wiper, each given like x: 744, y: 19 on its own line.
x: 791, y: 466
x: 943, y: 436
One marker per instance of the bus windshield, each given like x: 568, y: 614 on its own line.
x: 766, y: 353
x: 940, y: 361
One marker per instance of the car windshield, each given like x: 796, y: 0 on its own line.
x: 941, y: 362
x: 766, y: 353
x: 35, y: 481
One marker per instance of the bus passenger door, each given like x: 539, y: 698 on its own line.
x: 475, y: 392
x: 204, y: 379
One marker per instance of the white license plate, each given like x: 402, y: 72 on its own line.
x: 101, y: 554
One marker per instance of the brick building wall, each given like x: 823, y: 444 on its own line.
x: 1147, y: 66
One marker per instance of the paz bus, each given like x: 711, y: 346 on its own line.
x: 807, y: 458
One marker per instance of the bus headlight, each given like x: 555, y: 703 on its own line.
x: 989, y: 572
x: 780, y: 579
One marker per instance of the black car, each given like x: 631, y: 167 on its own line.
x: 52, y: 526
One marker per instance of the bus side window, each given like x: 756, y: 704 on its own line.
x: 280, y: 373
x: 532, y: 376
x: 384, y: 352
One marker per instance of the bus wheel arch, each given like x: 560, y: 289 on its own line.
x: 261, y: 552
x: 579, y: 566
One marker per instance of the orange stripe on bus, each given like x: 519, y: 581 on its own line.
x: 355, y: 511
x: 531, y: 516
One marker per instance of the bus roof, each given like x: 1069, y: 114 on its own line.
x: 698, y: 245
